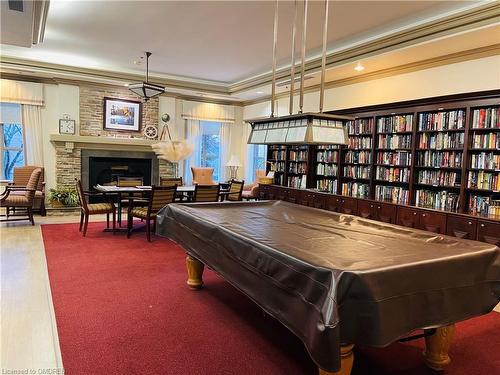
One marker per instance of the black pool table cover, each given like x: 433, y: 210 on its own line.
x: 333, y: 278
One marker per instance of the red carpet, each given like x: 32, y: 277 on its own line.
x: 122, y: 307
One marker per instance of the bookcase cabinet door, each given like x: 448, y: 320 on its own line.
x: 366, y: 209
x: 281, y: 194
x: 316, y: 200
x: 292, y: 195
x: 348, y: 206
x: 433, y: 222
x: 385, y: 212
x: 408, y: 217
x: 461, y: 227
x: 488, y: 232
x: 264, y: 192
x: 332, y: 203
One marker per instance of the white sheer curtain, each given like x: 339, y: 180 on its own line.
x: 225, y: 140
x: 248, y: 155
x: 32, y: 123
x: 193, y: 133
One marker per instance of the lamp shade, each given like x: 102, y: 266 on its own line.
x: 233, y: 161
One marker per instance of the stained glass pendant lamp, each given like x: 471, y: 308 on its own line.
x: 301, y: 128
x: 145, y: 89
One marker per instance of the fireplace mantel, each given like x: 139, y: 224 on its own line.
x: 72, y: 141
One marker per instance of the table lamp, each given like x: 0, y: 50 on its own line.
x: 233, y: 164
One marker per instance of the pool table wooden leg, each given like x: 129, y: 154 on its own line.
x: 436, y: 348
x: 346, y: 361
x: 195, y: 273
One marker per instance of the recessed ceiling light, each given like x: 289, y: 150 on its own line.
x: 359, y: 67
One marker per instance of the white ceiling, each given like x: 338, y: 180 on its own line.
x: 221, y: 41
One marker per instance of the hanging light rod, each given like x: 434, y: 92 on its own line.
x: 145, y: 89
x: 300, y: 128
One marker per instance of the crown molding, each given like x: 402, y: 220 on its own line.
x: 457, y: 57
x: 472, y: 18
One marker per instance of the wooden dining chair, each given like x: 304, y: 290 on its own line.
x: 206, y: 193
x: 235, y: 190
x: 138, y: 197
x: 87, y: 209
x: 170, y: 181
x: 160, y: 196
x: 24, y: 199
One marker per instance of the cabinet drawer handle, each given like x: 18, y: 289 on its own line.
x: 414, y: 213
x: 482, y: 225
x: 379, y: 207
x: 423, y: 215
x: 470, y: 223
x: 371, y: 205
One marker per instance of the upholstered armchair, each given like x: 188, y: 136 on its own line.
x: 251, y: 191
x: 20, y: 179
x: 23, y: 199
x: 203, y: 176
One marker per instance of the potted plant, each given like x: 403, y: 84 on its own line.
x: 63, y: 197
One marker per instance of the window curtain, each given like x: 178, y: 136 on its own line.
x: 21, y: 92
x: 207, y: 111
x: 32, y: 123
x: 225, y: 140
x: 248, y: 155
x: 193, y: 134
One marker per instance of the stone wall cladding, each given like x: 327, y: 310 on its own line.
x: 68, y: 161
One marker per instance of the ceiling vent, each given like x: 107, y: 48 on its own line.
x: 16, y: 5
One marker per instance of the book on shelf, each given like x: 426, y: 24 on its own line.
x: 279, y: 179
x: 486, y: 140
x: 360, y: 126
x: 443, y: 120
x: 327, y: 156
x: 394, y: 141
x: 360, y: 142
x: 363, y: 157
x: 392, y: 174
x: 484, y: 180
x: 279, y: 166
x: 438, y: 178
x: 441, y: 140
x: 393, y: 194
x: 400, y: 158
x: 486, y: 118
x: 326, y: 170
x: 484, y: 206
x: 278, y: 154
x: 296, y: 181
x: 298, y: 167
x: 437, y: 159
x: 395, y: 123
x: 438, y: 200
x: 355, y: 189
x: 327, y: 185
x: 357, y: 171
x: 300, y: 155
x: 485, y: 160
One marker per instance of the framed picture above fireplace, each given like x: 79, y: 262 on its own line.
x: 122, y: 115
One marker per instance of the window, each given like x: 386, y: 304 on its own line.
x: 210, y: 147
x: 256, y: 160
x: 11, y: 139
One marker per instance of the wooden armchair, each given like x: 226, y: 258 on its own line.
x: 206, y: 193
x: 235, y: 190
x: 203, y: 176
x: 23, y: 199
x: 20, y: 179
x: 88, y: 209
x: 159, y: 198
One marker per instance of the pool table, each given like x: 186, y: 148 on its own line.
x: 338, y: 280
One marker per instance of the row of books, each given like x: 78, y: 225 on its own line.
x: 326, y: 170
x: 446, y: 159
x: 394, y: 158
x: 355, y: 189
x: 394, y: 194
x: 442, y: 120
x: 364, y: 157
x: 392, y: 174
x: 486, y: 118
x: 360, y: 142
x: 279, y: 179
x: 327, y: 185
x: 438, y: 178
x: 278, y: 155
x: 296, y: 182
x: 279, y: 166
x: 297, y: 155
x: 485, y: 206
x: 391, y: 124
x: 328, y: 156
x: 484, y: 180
x: 394, y: 141
x: 485, y: 160
x: 438, y: 200
x: 360, y: 126
x: 488, y: 140
x: 441, y: 140
x: 297, y: 168
x: 357, y: 171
